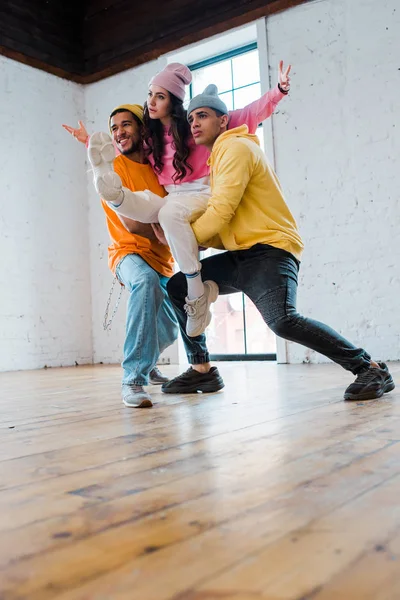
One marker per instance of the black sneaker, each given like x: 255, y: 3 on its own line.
x: 156, y: 377
x: 370, y: 384
x: 192, y: 381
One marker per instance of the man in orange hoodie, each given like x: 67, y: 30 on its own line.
x: 139, y: 261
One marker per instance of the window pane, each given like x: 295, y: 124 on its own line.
x: 247, y: 95
x: 228, y: 99
x: 246, y: 69
x: 225, y: 335
x: 260, y: 339
x: 220, y: 74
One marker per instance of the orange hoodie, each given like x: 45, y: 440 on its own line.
x: 136, y: 177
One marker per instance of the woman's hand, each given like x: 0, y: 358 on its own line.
x: 283, y: 77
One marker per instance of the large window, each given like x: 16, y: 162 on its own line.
x: 235, y: 73
x: 237, y: 330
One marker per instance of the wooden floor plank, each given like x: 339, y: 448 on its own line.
x: 329, y: 544
x: 192, y: 490
x: 191, y: 500
x: 103, y: 484
x: 245, y: 541
x: 133, y: 453
x: 375, y: 570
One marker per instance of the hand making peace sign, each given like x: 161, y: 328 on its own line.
x: 283, y: 77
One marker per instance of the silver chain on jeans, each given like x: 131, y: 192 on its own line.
x: 107, y: 322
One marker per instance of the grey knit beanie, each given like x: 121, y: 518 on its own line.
x: 209, y: 99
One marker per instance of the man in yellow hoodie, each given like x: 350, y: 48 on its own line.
x: 248, y: 216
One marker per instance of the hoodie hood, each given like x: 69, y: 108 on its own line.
x: 242, y: 132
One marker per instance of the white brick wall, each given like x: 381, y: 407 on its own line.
x: 44, y: 277
x: 337, y: 142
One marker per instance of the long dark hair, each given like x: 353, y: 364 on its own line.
x: 154, y: 139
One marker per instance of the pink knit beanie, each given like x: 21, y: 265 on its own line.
x: 173, y: 78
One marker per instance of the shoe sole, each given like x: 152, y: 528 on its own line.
x: 214, y: 291
x: 101, y: 150
x: 388, y: 387
x: 101, y: 154
x: 204, y: 389
x: 145, y: 403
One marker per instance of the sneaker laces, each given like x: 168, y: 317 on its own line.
x: 182, y: 375
x: 190, y: 310
x: 156, y: 371
x: 366, y: 376
x: 134, y: 387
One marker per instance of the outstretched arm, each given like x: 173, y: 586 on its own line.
x: 254, y: 113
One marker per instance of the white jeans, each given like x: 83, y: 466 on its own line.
x: 184, y: 204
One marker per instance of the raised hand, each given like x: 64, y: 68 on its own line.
x: 283, y: 76
x: 79, y: 134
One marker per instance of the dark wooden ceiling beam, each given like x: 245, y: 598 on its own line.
x: 132, y: 54
x: 45, y: 32
x: 41, y: 65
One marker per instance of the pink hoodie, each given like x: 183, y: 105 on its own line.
x: 251, y: 115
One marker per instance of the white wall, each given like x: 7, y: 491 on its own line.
x: 44, y: 276
x: 214, y: 45
x: 337, y: 148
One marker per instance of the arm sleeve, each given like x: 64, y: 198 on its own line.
x: 253, y: 114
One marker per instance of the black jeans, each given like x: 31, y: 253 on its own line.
x: 268, y: 276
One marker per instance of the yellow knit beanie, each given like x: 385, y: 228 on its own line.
x: 135, y: 109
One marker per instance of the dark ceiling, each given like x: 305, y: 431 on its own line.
x: 92, y: 39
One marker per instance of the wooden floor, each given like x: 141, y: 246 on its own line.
x: 272, y: 489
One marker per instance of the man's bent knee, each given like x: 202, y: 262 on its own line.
x: 283, y: 326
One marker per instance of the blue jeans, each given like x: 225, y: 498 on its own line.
x: 268, y: 276
x: 151, y: 324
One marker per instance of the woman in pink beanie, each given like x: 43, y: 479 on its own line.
x: 182, y: 169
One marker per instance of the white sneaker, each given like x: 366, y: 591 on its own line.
x: 101, y: 154
x: 198, y: 310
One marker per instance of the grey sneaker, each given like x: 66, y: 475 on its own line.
x: 134, y: 396
x: 156, y: 377
x: 198, y: 310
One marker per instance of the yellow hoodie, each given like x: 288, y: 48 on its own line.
x: 247, y: 206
